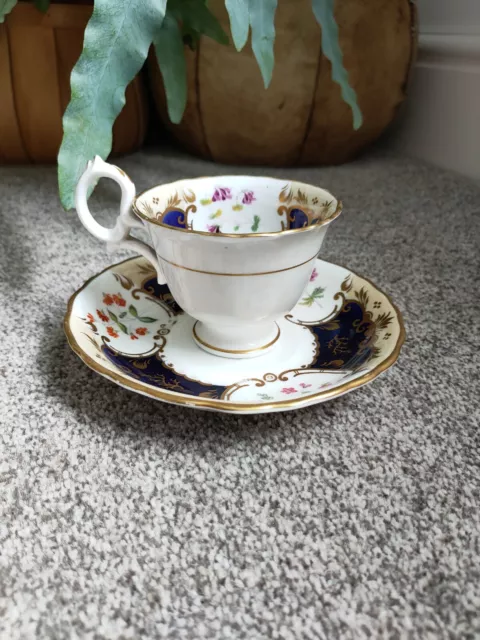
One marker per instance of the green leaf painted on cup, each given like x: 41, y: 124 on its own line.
x: 316, y: 294
x: 146, y: 319
x: 122, y: 327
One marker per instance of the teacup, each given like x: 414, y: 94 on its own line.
x: 235, y: 251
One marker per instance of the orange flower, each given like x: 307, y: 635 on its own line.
x: 90, y: 318
x: 111, y: 332
x: 117, y: 298
x: 133, y: 337
x: 141, y: 331
x: 107, y: 299
x: 102, y: 316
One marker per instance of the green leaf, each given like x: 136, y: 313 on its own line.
x: 5, y: 7
x: 256, y: 222
x: 197, y: 18
x: 116, y: 44
x: 324, y: 13
x: 42, y: 5
x: 262, y: 21
x: 123, y: 314
x: 239, y: 21
x: 146, y: 319
x: 307, y: 301
x: 115, y: 319
x: 171, y: 61
x: 318, y: 292
x: 133, y: 311
x: 122, y: 327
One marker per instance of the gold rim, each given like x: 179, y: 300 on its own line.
x: 137, y: 211
x: 237, y: 275
x: 193, y: 401
x: 236, y: 351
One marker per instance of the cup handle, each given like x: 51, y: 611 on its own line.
x: 118, y: 237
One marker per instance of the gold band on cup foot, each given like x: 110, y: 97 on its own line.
x: 234, y: 353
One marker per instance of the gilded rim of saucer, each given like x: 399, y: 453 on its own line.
x: 265, y: 234
x: 222, y: 405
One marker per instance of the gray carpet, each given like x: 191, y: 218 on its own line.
x: 123, y: 518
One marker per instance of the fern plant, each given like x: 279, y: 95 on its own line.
x: 117, y: 40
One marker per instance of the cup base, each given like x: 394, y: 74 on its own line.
x: 232, y: 344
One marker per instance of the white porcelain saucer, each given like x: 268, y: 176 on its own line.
x: 342, y: 334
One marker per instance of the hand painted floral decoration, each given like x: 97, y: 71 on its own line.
x: 248, y: 197
x: 222, y: 193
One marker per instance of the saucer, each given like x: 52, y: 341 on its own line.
x: 342, y: 334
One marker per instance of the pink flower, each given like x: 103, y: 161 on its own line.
x: 314, y: 275
x: 248, y: 197
x: 305, y: 386
x: 289, y: 390
x: 213, y: 228
x: 222, y: 193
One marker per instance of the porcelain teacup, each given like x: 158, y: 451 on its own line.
x: 235, y: 251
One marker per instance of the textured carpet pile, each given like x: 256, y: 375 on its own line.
x: 124, y: 518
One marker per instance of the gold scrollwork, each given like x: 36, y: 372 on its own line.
x: 127, y: 378
x: 124, y: 281
x: 171, y: 367
x: 173, y: 201
x: 269, y: 377
x: 189, y: 196
x: 211, y: 393
x: 149, y: 292
x: 347, y: 284
x: 286, y: 194
x: 138, y: 364
x: 159, y: 379
x: 182, y: 218
x: 93, y: 342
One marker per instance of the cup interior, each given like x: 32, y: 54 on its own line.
x: 242, y: 205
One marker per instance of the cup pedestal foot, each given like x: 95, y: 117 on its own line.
x: 235, y: 342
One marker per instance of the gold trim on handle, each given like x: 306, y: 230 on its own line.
x: 192, y: 401
x: 237, y: 275
x: 234, y: 351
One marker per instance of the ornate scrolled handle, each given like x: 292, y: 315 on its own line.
x: 118, y: 237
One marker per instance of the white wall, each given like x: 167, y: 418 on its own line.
x: 441, y: 123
